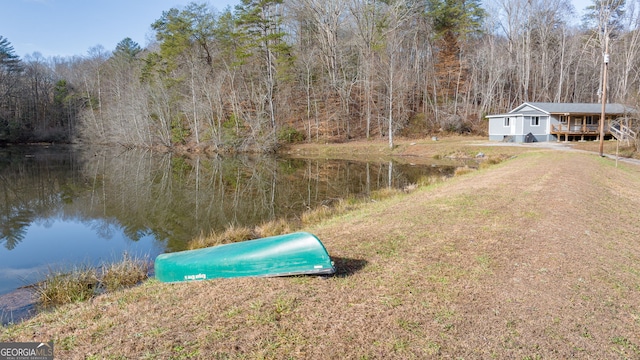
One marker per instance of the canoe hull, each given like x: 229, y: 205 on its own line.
x: 283, y: 255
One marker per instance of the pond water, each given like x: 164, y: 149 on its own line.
x: 63, y: 207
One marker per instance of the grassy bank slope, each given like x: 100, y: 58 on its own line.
x: 537, y: 257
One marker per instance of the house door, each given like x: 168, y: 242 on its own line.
x: 512, y: 126
x: 576, y: 125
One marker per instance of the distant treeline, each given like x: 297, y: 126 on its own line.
x: 274, y: 71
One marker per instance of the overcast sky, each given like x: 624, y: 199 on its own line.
x: 72, y: 27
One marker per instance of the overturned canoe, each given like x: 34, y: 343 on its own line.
x: 290, y: 254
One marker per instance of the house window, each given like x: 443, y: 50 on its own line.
x: 507, y: 122
x: 535, y: 121
x: 564, y: 119
x: 589, y: 120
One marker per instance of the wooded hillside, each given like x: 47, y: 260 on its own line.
x: 273, y: 71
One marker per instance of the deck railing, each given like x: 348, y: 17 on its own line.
x: 578, y: 128
x: 622, y: 132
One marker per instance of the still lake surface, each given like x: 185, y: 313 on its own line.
x: 62, y: 207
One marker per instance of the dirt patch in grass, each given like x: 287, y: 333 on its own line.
x: 535, y: 257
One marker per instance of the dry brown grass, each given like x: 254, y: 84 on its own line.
x: 274, y: 227
x: 385, y: 193
x: 84, y: 282
x: 609, y: 147
x: 230, y: 235
x: 128, y: 272
x: 536, y: 257
x: 63, y: 287
x: 423, y: 151
x: 463, y: 170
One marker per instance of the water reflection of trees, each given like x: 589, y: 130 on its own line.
x: 31, y: 188
x: 177, y: 198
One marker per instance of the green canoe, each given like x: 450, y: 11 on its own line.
x: 290, y: 254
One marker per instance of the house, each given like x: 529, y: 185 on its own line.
x: 537, y: 121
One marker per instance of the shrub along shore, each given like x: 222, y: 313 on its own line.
x: 534, y: 257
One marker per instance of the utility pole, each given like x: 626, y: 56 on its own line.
x: 605, y: 60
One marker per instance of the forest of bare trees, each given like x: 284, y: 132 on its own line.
x: 274, y: 71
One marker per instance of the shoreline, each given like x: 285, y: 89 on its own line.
x: 20, y: 304
x: 459, y: 269
x: 17, y: 306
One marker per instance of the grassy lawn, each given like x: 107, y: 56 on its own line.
x: 535, y: 257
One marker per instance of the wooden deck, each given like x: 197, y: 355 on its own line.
x: 617, y: 128
x: 580, y: 131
